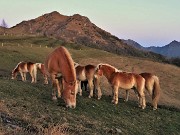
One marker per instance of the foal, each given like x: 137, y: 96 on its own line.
x: 24, y: 67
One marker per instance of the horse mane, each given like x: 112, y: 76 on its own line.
x: 69, y: 62
x: 101, y: 64
x: 16, y: 67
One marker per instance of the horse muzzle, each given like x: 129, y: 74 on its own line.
x: 71, y: 106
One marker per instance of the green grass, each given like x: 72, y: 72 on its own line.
x: 27, y: 108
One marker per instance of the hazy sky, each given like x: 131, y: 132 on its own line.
x: 148, y: 22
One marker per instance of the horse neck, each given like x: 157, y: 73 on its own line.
x: 108, y: 72
x: 68, y: 70
x: 68, y: 74
x: 14, y: 72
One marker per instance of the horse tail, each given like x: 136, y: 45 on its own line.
x: 156, y: 92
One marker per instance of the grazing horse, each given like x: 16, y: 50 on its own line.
x: 24, y: 67
x: 152, y: 86
x: 84, y: 73
x: 119, y: 79
x: 41, y: 68
x: 59, y: 62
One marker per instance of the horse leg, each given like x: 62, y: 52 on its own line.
x: 127, y: 96
x: 54, y: 84
x: 80, y: 89
x: 32, y: 76
x: 142, y: 100
x: 97, y: 87
x: 59, y: 84
x: 90, y: 83
x: 115, y: 95
x: 22, y: 76
x: 35, y: 74
x: 45, y: 79
x: 113, y: 99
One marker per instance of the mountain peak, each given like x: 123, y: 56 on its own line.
x: 174, y: 42
x: 53, y: 14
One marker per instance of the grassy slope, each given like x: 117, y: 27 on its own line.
x: 27, y: 108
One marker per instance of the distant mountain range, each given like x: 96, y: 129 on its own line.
x: 78, y: 29
x: 170, y: 50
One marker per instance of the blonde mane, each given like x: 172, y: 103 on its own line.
x: 17, y: 66
x: 70, y: 62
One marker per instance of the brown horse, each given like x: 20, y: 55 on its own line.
x: 60, y: 62
x: 41, y: 68
x: 84, y: 73
x: 123, y: 80
x: 24, y: 67
x: 152, y: 86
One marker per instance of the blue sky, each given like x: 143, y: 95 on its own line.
x: 150, y: 23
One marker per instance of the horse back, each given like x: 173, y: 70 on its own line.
x: 30, y: 66
x: 147, y: 76
x: 124, y: 80
x: 26, y: 66
x: 90, y: 70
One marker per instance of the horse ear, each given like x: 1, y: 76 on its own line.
x: 100, y: 66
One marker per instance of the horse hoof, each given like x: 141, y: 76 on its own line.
x: 54, y: 98
x: 89, y: 96
x: 143, y: 107
x: 99, y: 98
x: 59, y: 96
x: 154, y: 109
x: 115, y: 102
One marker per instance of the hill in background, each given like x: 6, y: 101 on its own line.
x: 170, y: 50
x: 78, y: 29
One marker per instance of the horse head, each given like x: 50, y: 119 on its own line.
x: 98, y: 71
x: 69, y: 92
x: 13, y: 75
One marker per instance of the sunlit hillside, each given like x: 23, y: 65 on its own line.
x: 27, y: 108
